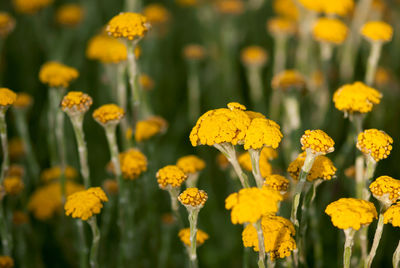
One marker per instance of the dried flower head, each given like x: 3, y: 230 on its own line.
x: 85, y: 204
x: 128, y: 25
x: 13, y: 185
x: 322, y: 168
x: 133, y: 163
x: 106, y: 49
x: 261, y: 133
x: 55, y: 74
x: 194, y: 52
x: 386, y: 189
x: 6, y: 262
x: 193, y: 197
x: 392, y: 215
x: 375, y: 143
x: 281, y: 26
x: 330, y: 30
x: 76, y: 103
x: 170, y: 176
x: 108, y: 114
x: 191, y: 164
x: 30, y: 6
x: 317, y: 141
x: 7, y: 24
x: 377, y: 31
x: 23, y: 101
x: 69, y: 15
x: 254, y: 56
x: 288, y: 79
x: 265, y: 167
x: 276, y: 182
x: 184, y: 235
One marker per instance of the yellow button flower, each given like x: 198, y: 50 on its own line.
x: 250, y: 204
x: 351, y: 213
x: 385, y: 189
x: 265, y: 167
x: 7, y: 97
x: 184, y: 235
x: 377, y: 31
x: 330, y: 30
x: 133, y: 163
x: 146, y: 129
x: 356, y: 97
x: 313, y: 5
x: 6, y: 262
x: 392, y: 215
x: 193, y: 197
x: 76, y: 102
x: 337, y: 7
x: 322, y: 168
x: 317, y: 141
x: 106, y: 49
x: 375, y: 143
x: 254, y: 56
x: 13, y: 185
x: 261, y: 133
x: 30, y: 6
x: 7, y: 24
x: 170, y: 176
x: 191, y: 164
x: 108, y: 113
x: 230, y: 7
x: 23, y: 101
x: 278, y: 236
x: 288, y: 79
x: 55, y: 74
x: 194, y: 52
x: 286, y: 8
x: 54, y: 173
x: 281, y: 26
x: 85, y: 204
x: 69, y: 15
x: 276, y: 182
x: 128, y: 25
x: 156, y: 14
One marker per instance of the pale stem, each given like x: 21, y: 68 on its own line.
x: 255, y: 83
x: 95, y: 242
x: 326, y: 52
x: 77, y: 123
x: 359, y: 176
x: 173, y: 193
x: 193, y: 91
x: 133, y: 77
x: 275, y: 104
x: 280, y: 41
x: 376, y: 48
x: 255, y: 162
x: 4, y: 145
x: 133, y: 5
x: 192, y: 180
x: 369, y: 173
x: 396, y: 257
x: 83, y: 249
x: 261, y: 246
x: 303, y: 49
x: 292, y: 113
x: 349, y: 233
x: 51, y: 126
x: 121, y: 97
x: 193, y: 215
x: 375, y: 243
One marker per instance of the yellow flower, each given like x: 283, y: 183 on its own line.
x: 337, y: 7
x: 385, y: 189
x: 276, y: 182
x: 170, y: 176
x: 278, y: 236
x: 16, y: 148
x: 191, y: 164
x: 250, y: 204
x: 7, y: 97
x: 382, y: 76
x: 377, y: 31
x: 351, y: 213
x: 265, y: 167
x: 193, y: 197
x: 30, y: 6
x: 7, y: 24
x: 128, y: 25
x: 222, y: 161
x: 6, y: 262
x: 146, y: 129
x: 286, y: 8
x: 317, y: 141
x: 156, y: 14
x: 392, y: 215
x: 281, y: 26
x: 194, y: 52
x: 146, y: 82
x: 220, y: 126
x: 46, y: 201
x: 108, y: 113
x: 330, y: 30
x: 261, y: 133
x: 23, y: 101
x: 313, y: 5
x: 54, y: 173
x: 322, y: 168
x: 76, y: 102
x: 230, y: 7
x: 133, y: 163
x: 375, y: 143
x: 69, y: 15
x: 85, y: 204
x: 356, y: 97
x: 184, y: 235
x: 106, y: 49
x: 13, y: 185
x: 288, y: 79
x: 55, y: 74
x: 111, y: 186
x: 254, y: 56
x: 19, y: 218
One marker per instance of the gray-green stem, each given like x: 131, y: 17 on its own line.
x: 261, y: 246
x: 348, y: 245
x: 193, y: 215
x: 375, y: 243
x: 255, y: 162
x: 255, y: 83
x: 121, y: 98
x: 95, y: 242
x: 280, y: 42
x: 396, y: 257
x: 83, y: 249
x: 133, y: 81
x: 372, y: 64
x: 193, y: 91
x: 4, y: 145
x: 173, y: 193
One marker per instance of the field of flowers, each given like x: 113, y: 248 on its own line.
x: 199, y: 133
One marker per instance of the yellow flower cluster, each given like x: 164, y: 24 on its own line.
x: 392, y: 215
x: 288, y: 79
x: 23, y: 101
x: 191, y: 164
x: 330, y: 30
x: 276, y: 182
x: 47, y: 200
x: 133, y: 163
x: 7, y: 97
x: 76, y: 102
x: 356, y: 97
x: 194, y: 52
x: 375, y: 143
x: 286, y: 8
x: 322, y: 168
x: 54, y: 173
x: 69, y: 15
x: 156, y: 14
x: 250, y: 204
x: 128, y: 25
x: 377, y: 31
x: 6, y: 262
x: 146, y: 129
x: 230, y: 7
x: 278, y: 236
x: 254, y: 56
x: 7, y: 24
x: 106, y: 49
x: 55, y: 74
x: 30, y: 6
x: 261, y: 133
x: 265, y: 167
x: 13, y: 185
x: 351, y: 213
x: 184, y: 235
x: 193, y: 197
x: 85, y: 204
x: 170, y: 176
x: 317, y: 141
x: 108, y: 113
x: 281, y: 26
x: 385, y: 186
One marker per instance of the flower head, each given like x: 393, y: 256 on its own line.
x: 16, y: 170
x: 184, y: 235
x: 322, y: 168
x: 351, y: 213
x: 377, y: 31
x: 193, y: 197
x: 392, y: 215
x: 108, y: 114
x: 337, y: 7
x: 230, y: 7
x: 133, y: 163
x: 148, y: 128
x: 276, y: 182
x: 7, y: 98
x: 382, y: 77
x: 386, y: 189
x: 286, y: 8
x: 312, y: 5
x: 194, y: 52
x: 250, y: 204
x: 69, y: 15
x: 30, y: 6
x: 6, y: 262
x: 170, y: 176
x: 278, y: 236
x: 281, y: 26
x: 55, y: 74
x: 356, y: 97
x: 191, y: 164
x: 317, y: 141
x: 288, y: 79
x: 156, y: 14
x: 7, y: 24
x: 111, y: 186
x: 330, y: 30
x: 261, y: 133
x: 375, y: 143
x: 13, y: 185
x: 129, y: 25
x: 76, y: 103
x: 106, y: 49
x: 23, y: 101
x: 254, y: 56
x: 54, y: 173
x: 85, y: 204
x: 146, y: 82
x: 265, y: 167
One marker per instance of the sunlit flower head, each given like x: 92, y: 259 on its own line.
x: 254, y: 56
x: 85, y: 204
x: 392, y: 215
x: 288, y: 79
x: 133, y: 163
x: 7, y: 24
x: 191, y: 164
x: 322, y: 168
x: 386, y: 189
x: 317, y: 141
x: 375, y: 143
x: 377, y: 31
x: 150, y: 127
x: 312, y: 5
x: 108, y: 114
x: 106, y: 49
x: 265, y: 167
x: 69, y: 15
x: 337, y: 7
x: 286, y: 8
x: 76, y: 103
x: 170, y: 176
x: 6, y: 262
x: 184, y: 235
x: 330, y: 30
x: 55, y: 74
x: 128, y: 25
x: 30, y: 6
x: 261, y: 133
x: 193, y: 198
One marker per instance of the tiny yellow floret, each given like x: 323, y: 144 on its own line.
x: 108, y: 113
x: 170, y: 176
x: 184, y: 235
x: 330, y: 30
x: 55, y: 74
x: 129, y: 25
x: 193, y: 197
x: 377, y: 31
x: 375, y: 143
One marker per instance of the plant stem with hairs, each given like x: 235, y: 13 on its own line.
x: 95, y: 242
x: 261, y: 246
x: 4, y: 145
x: 193, y: 216
x: 396, y: 257
x: 375, y: 243
x: 255, y: 162
x: 83, y: 249
x: 348, y: 245
x: 372, y: 65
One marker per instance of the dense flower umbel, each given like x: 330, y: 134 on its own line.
x: 133, y: 163
x: 322, y: 168
x: 106, y: 49
x: 377, y: 31
x: 337, y: 7
x: 54, y: 173
x: 191, y: 164
x: 219, y: 126
x: 392, y: 215
x: 375, y: 143
x: 330, y: 30
x: 170, y: 176
x: 281, y: 26
x: 7, y: 24
x: 6, y: 262
x: 193, y: 197
x: 317, y: 141
x: 23, y: 101
x: 386, y: 188
x: 351, y: 213
x: 194, y: 52
x: 356, y: 97
x: 265, y: 167
x: 250, y: 204
x: 76, y: 102
x: 7, y: 97
x: 85, y: 204
x: 128, y: 25
x: 254, y: 56
x: 230, y: 7
x: 184, y: 235
x: 261, y: 133
x: 286, y: 8
x: 278, y: 236
x: 30, y: 6
x: 69, y: 15
x: 108, y: 113
x: 13, y: 185
x: 55, y: 74
x: 288, y: 79
x: 276, y: 182
x: 156, y: 14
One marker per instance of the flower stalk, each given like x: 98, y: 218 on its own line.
x: 194, y: 91
x: 375, y: 243
x: 4, y: 145
x: 261, y: 246
x: 348, y: 245
x: 255, y: 162
x: 83, y: 249
x: 93, y: 260
x: 376, y: 48
x: 193, y: 216
x: 396, y: 257
x: 255, y: 84
x: 133, y: 80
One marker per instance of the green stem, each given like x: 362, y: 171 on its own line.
x: 133, y: 5
x: 4, y: 145
x: 133, y: 81
x: 83, y: 249
x: 349, y: 233
x: 396, y: 257
x: 6, y: 238
x: 77, y: 123
x: 192, y: 179
x: 255, y: 162
x: 51, y: 126
x: 280, y: 42
x: 375, y: 244
x: 193, y: 91
x: 261, y: 246
x: 173, y: 193
x: 256, y: 87
x: 193, y: 215
x: 95, y: 242
x: 376, y: 48
x: 121, y: 98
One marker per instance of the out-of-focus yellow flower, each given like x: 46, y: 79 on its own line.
x: 276, y: 182
x: 317, y: 141
x: 230, y: 7
x: 146, y: 129
x: 392, y: 215
x: 352, y: 213
x: 16, y: 170
x: 313, y: 5
x: 187, y: 3
x: 382, y: 77
x: 184, y: 235
x: 23, y: 101
x: 288, y: 79
x: 330, y: 30
x: 375, y: 143
x: 55, y: 74
x: 278, y: 236
x: 7, y: 97
x: 337, y: 7
x: 54, y: 173
x: 377, y: 31
x: 76, y: 102
x: 222, y: 161
x: 85, y: 204
x: 356, y: 97
x: 322, y: 168
x: 156, y: 14
x: 69, y: 15
x: 30, y: 6
x: 128, y: 25
x: 317, y: 79
x: 19, y: 218
x: 170, y: 176
x: 106, y: 49
x: 191, y: 164
x: 385, y: 189
x: 13, y: 185
x: 265, y: 167
x: 281, y: 26
x: 350, y: 172
x: 7, y: 24
x: 193, y: 198
x: 6, y: 262
x: 194, y: 52
x: 133, y: 163
x: 168, y: 219
x: 146, y: 82
x: 254, y: 56
x: 108, y: 114
x: 261, y: 133
x: 111, y: 186
x: 250, y: 204
x: 286, y: 8
x: 16, y: 148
